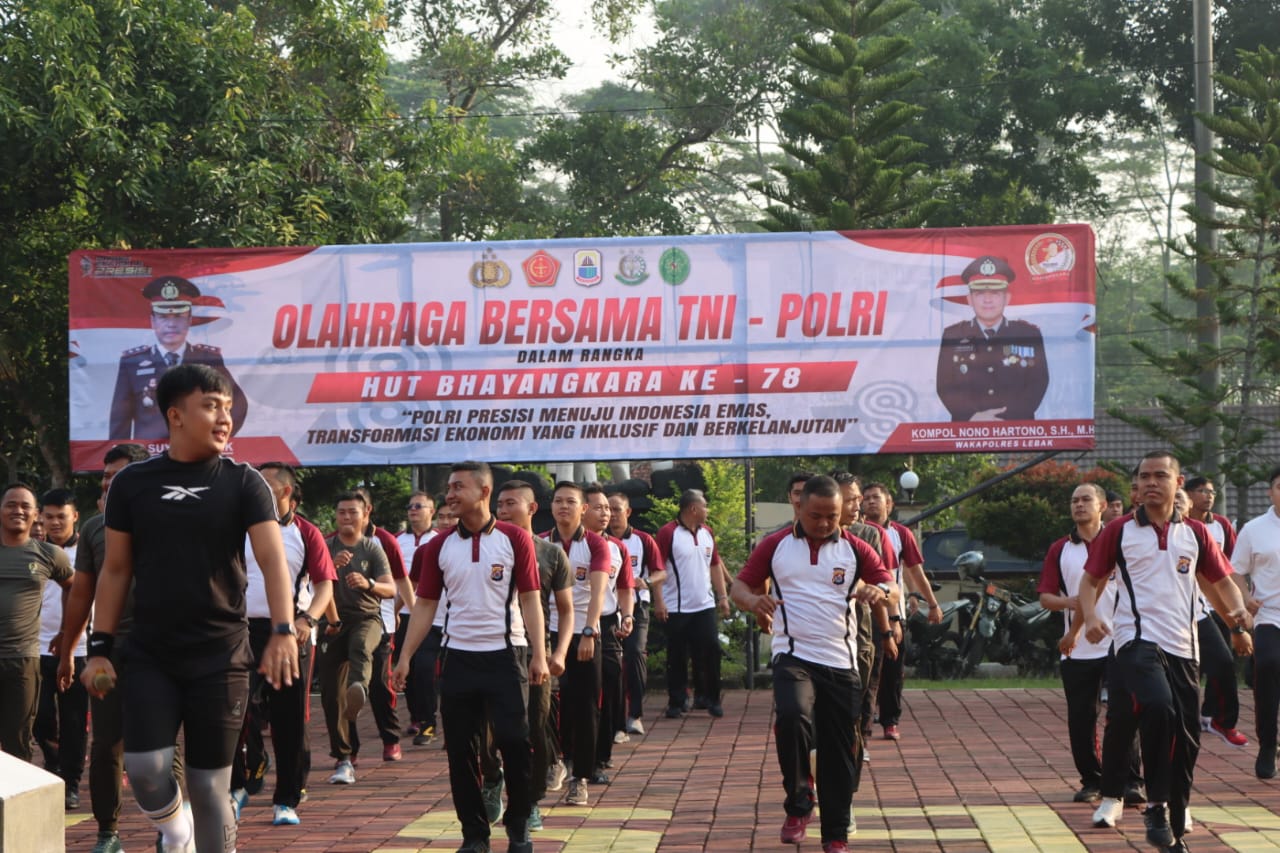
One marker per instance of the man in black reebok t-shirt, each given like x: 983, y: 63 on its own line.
x: 176, y: 527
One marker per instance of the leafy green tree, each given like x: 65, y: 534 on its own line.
x: 1026, y: 513
x: 171, y: 125
x: 855, y: 164
x: 1245, y: 287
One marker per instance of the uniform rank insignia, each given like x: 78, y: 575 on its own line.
x: 495, y: 572
x: 837, y: 577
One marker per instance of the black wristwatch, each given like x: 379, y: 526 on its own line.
x: 588, y: 631
x: 283, y: 628
x: 306, y: 617
x: 885, y: 635
x: 895, y: 618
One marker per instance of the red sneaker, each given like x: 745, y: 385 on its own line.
x: 795, y: 828
x: 835, y: 847
x: 1231, y: 736
x: 391, y: 752
x: 891, y: 733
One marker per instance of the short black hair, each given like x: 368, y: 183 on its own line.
x: 131, y: 452
x: 873, y: 486
x: 1160, y: 454
x: 1196, y: 483
x: 20, y: 485
x: 516, y: 485
x: 284, y: 470
x: 689, y: 497
x: 1271, y: 478
x: 58, y: 497
x: 821, y: 486
x: 1112, y: 497
x: 185, y: 379
x: 593, y: 489
x: 844, y: 478
x: 799, y: 477
x: 569, y: 484
x: 480, y: 470
x: 353, y: 495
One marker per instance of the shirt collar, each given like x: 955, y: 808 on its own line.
x: 798, y: 531
x: 576, y: 537
x: 1140, y: 516
x: 467, y: 534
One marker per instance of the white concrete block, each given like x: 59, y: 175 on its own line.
x: 32, y: 808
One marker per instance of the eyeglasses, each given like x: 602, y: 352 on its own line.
x: 1209, y: 492
x: 418, y: 506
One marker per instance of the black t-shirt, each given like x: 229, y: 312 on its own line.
x: 188, y: 522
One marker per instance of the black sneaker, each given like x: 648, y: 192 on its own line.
x: 477, y: 846
x: 701, y: 703
x: 1088, y: 794
x: 1179, y: 846
x: 1135, y: 795
x: 715, y: 710
x: 1265, y: 766
x: 1159, y: 834
x: 599, y: 777
x: 674, y: 713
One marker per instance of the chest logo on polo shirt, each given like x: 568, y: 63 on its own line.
x: 34, y: 568
x: 1184, y: 564
x: 580, y: 573
x: 837, y: 577
x: 495, y: 572
x: 181, y: 493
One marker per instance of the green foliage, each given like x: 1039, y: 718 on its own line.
x: 1026, y: 513
x: 1245, y: 290
x: 855, y: 166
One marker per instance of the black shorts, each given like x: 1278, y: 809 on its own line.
x: 210, y: 708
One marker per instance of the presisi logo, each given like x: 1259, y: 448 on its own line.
x: 181, y: 493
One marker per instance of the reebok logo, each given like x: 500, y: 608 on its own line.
x: 181, y: 493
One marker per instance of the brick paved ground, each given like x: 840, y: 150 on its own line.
x: 995, y: 774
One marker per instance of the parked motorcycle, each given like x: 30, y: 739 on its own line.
x: 986, y: 631
x: 1033, y: 636
x: 934, y: 650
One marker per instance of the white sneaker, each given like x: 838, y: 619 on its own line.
x: 239, y: 799
x: 635, y: 726
x: 285, y: 816
x: 1109, y: 812
x: 555, y: 776
x: 577, y: 793
x: 1189, y: 825
x: 1205, y: 723
x: 343, y: 774
x: 853, y: 823
x: 621, y: 737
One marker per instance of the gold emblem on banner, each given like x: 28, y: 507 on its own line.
x: 489, y: 271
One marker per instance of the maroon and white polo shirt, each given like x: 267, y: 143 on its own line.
x: 689, y: 555
x: 587, y: 553
x: 813, y: 583
x: 1156, y: 568
x: 482, y: 573
x: 1063, y: 570
x: 308, y: 559
x: 646, y: 559
x: 620, y: 576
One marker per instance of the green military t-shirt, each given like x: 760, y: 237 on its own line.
x: 368, y: 559
x: 24, y: 570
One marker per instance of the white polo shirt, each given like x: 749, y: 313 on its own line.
x: 483, y: 573
x: 409, y: 543
x: 587, y: 552
x: 816, y: 619
x: 1257, y: 555
x: 646, y: 559
x: 689, y: 555
x: 1156, y: 568
x: 620, y: 576
x: 307, y: 557
x: 51, y: 609
x: 1063, y: 570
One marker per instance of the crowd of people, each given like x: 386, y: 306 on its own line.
x: 526, y: 651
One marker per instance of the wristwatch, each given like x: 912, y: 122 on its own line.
x: 884, y: 635
x: 306, y: 617
x: 883, y: 587
x: 1238, y: 629
x: 895, y: 618
x: 588, y: 631
x: 283, y: 628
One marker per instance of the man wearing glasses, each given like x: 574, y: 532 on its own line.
x: 420, y: 689
x: 1220, y: 710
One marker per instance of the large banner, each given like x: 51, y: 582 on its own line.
x: 925, y: 341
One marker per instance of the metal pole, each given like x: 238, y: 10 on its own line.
x: 753, y: 637
x: 1206, y: 237
x: 981, y: 487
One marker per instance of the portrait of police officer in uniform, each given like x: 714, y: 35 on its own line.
x: 991, y: 368
x: 134, y: 413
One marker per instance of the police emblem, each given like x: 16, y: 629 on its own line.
x: 540, y: 269
x: 580, y: 573
x: 495, y: 572
x: 586, y: 267
x: 632, y: 269
x: 837, y: 577
x: 1184, y: 565
x: 169, y: 291
x: 674, y: 266
x: 489, y: 271
x: 1050, y: 254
